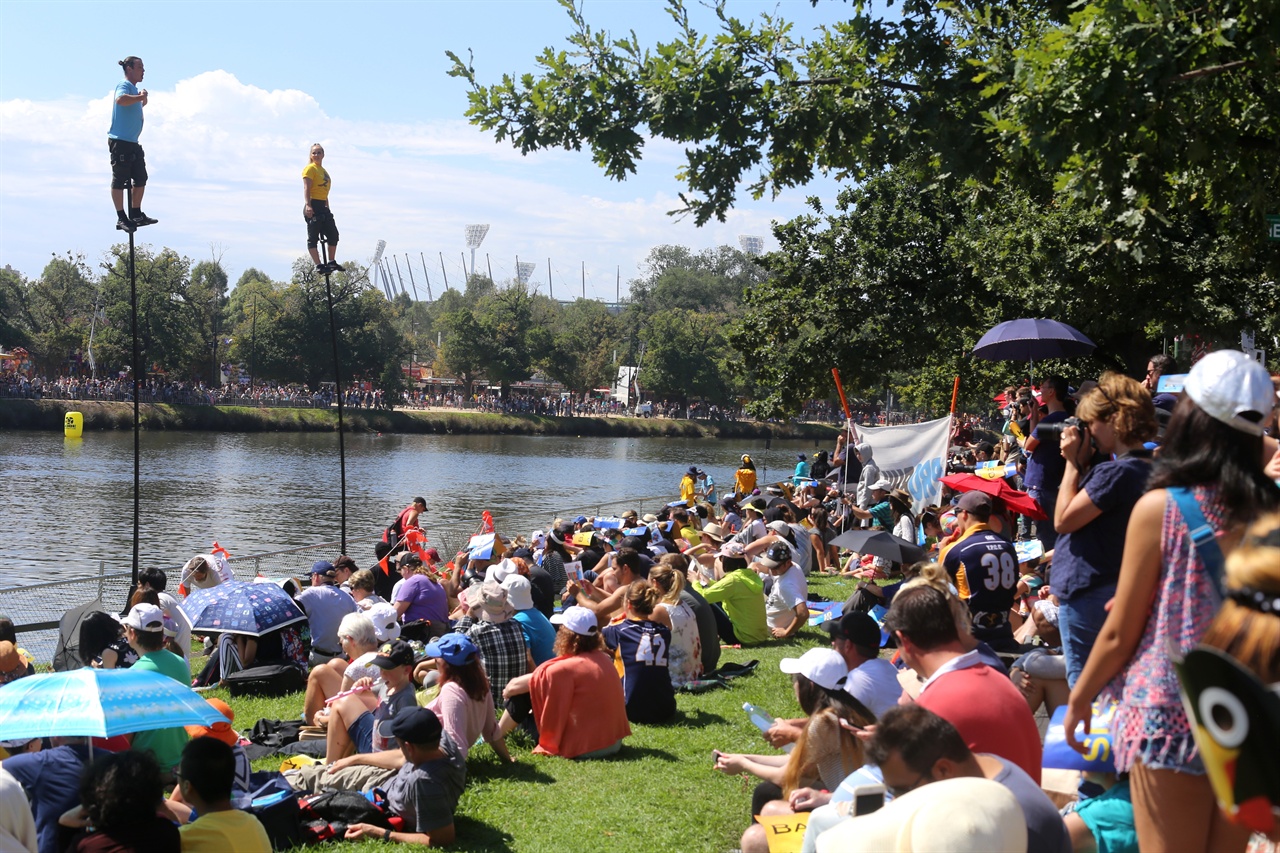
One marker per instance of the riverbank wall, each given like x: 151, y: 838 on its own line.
x: 48, y: 415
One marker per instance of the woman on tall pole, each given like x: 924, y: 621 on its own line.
x: 315, y: 210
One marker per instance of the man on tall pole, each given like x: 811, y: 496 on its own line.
x: 128, y: 163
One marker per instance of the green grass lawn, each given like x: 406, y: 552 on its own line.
x: 659, y: 793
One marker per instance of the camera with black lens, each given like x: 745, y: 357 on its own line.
x: 1053, y: 431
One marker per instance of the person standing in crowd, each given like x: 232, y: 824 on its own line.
x: 867, y: 477
x: 1044, y: 460
x: 325, y: 606
x: 984, y: 568
x: 1209, y: 477
x: 1094, y: 505
x: 802, y: 471
x: 1158, y: 365
x: 744, y: 479
x: 128, y: 161
x: 315, y: 210
x: 689, y: 486
x: 707, y: 488
x: 408, y: 518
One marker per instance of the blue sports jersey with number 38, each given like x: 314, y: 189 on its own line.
x: 984, y: 568
x: 646, y: 682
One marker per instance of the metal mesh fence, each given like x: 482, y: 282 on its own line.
x: 36, y: 609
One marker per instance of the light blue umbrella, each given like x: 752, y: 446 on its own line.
x: 99, y: 703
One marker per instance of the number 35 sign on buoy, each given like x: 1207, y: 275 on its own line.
x: 73, y: 425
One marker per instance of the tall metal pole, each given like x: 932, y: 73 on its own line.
x: 488, y: 264
x: 431, y: 297
x: 464, y: 265
x: 584, y: 279
x: 409, y: 267
x: 617, y: 287
x: 253, y: 344
x: 137, y: 392
x: 548, y: 275
x: 396, y: 261
x: 337, y: 385
x: 444, y: 272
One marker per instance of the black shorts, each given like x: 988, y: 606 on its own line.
x: 128, y: 163
x: 321, y: 222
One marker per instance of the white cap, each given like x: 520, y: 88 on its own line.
x: 967, y: 814
x: 577, y: 619
x: 825, y: 667
x: 145, y: 617
x: 1232, y: 388
x: 882, y: 485
x: 386, y: 622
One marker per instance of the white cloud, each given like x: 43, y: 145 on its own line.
x: 226, y: 159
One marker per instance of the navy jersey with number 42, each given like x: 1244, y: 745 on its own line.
x: 646, y: 682
x: 984, y: 568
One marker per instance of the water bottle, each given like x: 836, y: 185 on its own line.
x: 763, y: 721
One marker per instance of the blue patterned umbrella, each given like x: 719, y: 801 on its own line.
x: 236, y: 607
x: 99, y: 703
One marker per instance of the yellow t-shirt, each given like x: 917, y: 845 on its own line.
x: 687, y: 490
x: 319, y: 181
x: 219, y: 832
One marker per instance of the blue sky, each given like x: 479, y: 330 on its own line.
x: 239, y: 90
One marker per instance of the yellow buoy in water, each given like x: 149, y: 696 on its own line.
x: 73, y: 425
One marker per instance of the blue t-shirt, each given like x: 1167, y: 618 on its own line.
x: 1090, y: 557
x: 126, y: 121
x: 1045, y: 465
x: 646, y: 680
x: 539, y: 633
x: 51, y: 779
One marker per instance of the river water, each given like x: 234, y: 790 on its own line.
x: 66, y: 504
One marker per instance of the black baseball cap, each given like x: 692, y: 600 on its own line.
x: 858, y: 628
x: 413, y: 725
x: 393, y: 654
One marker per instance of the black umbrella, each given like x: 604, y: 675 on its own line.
x: 1032, y: 340
x: 880, y: 543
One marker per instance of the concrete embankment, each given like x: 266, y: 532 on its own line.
x: 49, y: 415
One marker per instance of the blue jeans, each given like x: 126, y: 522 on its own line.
x: 1080, y: 620
x: 1045, y: 531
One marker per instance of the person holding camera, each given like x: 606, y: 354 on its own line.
x: 1095, y: 500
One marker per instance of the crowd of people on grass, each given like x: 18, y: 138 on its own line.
x: 1161, y: 537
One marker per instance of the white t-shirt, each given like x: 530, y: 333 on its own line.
x: 875, y: 684
x: 789, y: 589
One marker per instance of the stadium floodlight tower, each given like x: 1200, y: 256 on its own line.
x: 753, y: 246
x: 475, y: 236
x: 524, y: 270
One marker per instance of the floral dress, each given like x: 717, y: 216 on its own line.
x: 685, y: 654
x: 1150, y: 724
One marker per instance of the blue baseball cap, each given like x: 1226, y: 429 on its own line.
x: 454, y: 649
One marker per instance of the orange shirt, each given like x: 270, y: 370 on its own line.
x: 578, y: 704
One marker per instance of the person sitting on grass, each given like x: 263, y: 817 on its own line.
x: 575, y: 699
x: 206, y: 780
x: 645, y: 649
x: 464, y: 703
x: 144, y: 628
x: 486, y: 617
x: 353, y: 718
x: 359, y: 643
x: 685, y: 651
x: 741, y: 617
x: 424, y: 792
x: 826, y: 752
x: 120, y: 797
x: 177, y: 805
x: 914, y: 748
x: 539, y: 633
